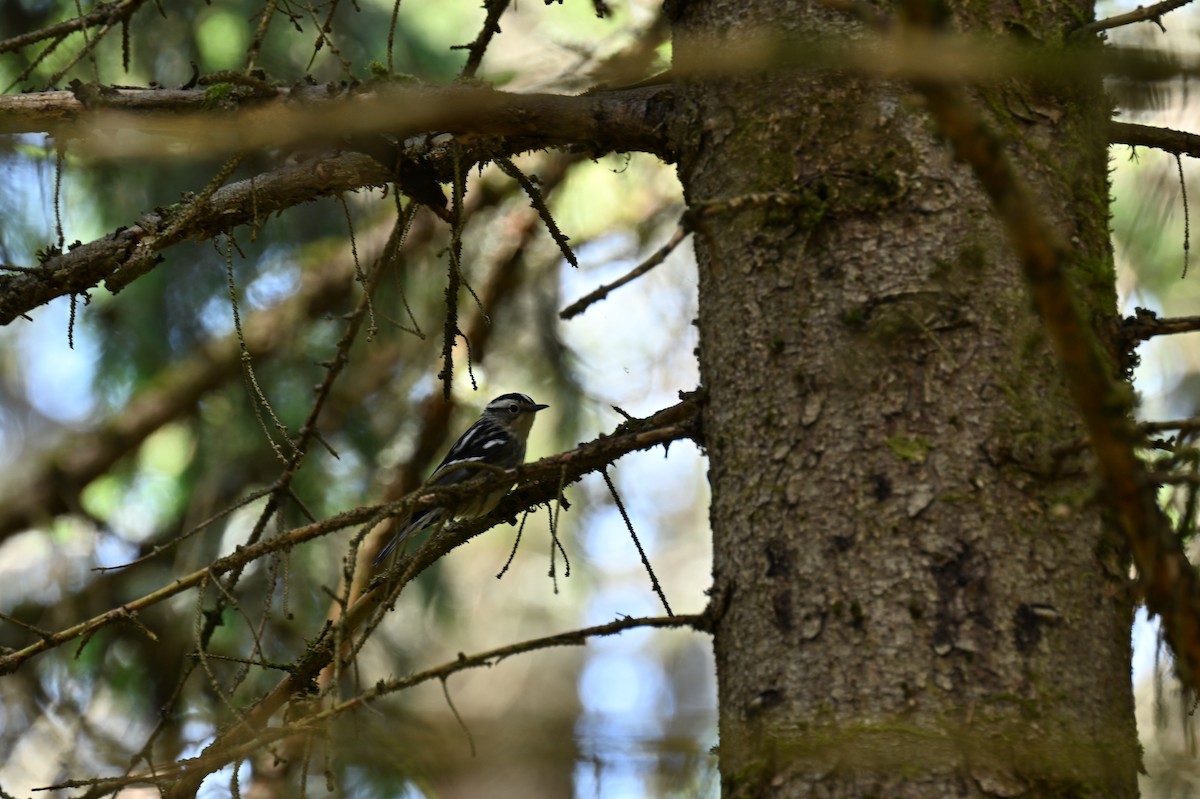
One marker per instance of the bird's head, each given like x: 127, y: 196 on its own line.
x: 514, y: 412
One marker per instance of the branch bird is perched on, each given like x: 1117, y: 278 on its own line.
x: 496, y: 440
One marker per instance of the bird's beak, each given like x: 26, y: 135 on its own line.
x: 537, y: 408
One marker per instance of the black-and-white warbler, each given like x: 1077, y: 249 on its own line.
x: 496, y: 440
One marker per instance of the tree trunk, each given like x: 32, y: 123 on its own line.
x: 920, y: 596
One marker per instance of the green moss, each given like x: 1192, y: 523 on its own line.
x: 812, y: 208
x: 942, y: 270
x: 1029, y: 708
x: 970, y: 262
x: 779, y: 216
x: 750, y: 779
x: 215, y: 94
x: 1033, y: 345
x: 972, y: 257
x: 1001, y: 116
x: 891, y: 323
x: 887, y: 183
x: 1122, y: 400
x: 855, y: 317
x: 910, y: 449
x: 857, y: 616
x: 1096, y: 278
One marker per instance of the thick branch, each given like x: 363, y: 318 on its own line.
x: 1180, y: 426
x: 248, y: 201
x: 1140, y: 14
x: 222, y: 119
x: 620, y: 119
x: 1179, y: 142
x: 59, y: 110
x: 1145, y: 325
x: 628, y: 120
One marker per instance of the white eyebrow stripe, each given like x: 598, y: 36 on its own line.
x: 504, y: 400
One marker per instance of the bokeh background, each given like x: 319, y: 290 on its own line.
x: 627, y: 716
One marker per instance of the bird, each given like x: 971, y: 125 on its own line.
x: 497, y: 439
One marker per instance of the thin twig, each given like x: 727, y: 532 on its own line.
x: 457, y: 716
x: 612, y: 489
x: 450, y: 330
x: 372, y: 330
x: 38, y: 631
x: 1187, y: 222
x: 192, y: 768
x: 87, y: 50
x: 582, y: 304
x: 258, y: 398
x: 391, y: 42
x: 512, y: 553
x: 539, y: 203
x: 476, y: 49
x: 260, y: 34
x: 102, y: 14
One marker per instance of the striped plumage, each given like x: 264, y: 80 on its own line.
x: 496, y: 439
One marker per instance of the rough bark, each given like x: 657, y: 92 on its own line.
x: 920, y: 595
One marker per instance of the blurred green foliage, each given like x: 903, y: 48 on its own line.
x: 215, y: 451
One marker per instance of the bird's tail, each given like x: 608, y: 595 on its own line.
x: 416, y: 523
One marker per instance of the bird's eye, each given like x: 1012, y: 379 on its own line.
x: 513, y: 408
